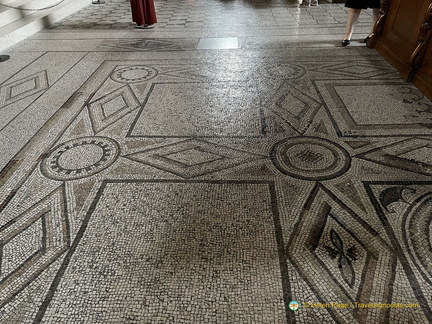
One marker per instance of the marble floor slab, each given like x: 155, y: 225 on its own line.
x: 234, y: 164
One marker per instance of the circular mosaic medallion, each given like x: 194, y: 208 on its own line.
x: 310, y: 158
x: 283, y: 71
x: 134, y: 74
x: 417, y: 230
x: 80, y: 158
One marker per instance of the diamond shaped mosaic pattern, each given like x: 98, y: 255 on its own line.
x: 110, y: 108
x: 31, y: 242
x: 23, y: 88
x: 193, y: 158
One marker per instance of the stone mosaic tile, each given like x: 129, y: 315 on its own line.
x: 147, y: 45
x: 145, y: 180
x: 193, y: 158
x: 195, y: 119
x: 356, y: 113
x: 200, y: 273
x: 23, y: 88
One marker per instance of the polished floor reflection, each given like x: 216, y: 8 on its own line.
x: 235, y: 164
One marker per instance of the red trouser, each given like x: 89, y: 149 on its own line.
x: 143, y: 12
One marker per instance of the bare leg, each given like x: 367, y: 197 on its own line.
x: 375, y: 15
x: 353, y: 15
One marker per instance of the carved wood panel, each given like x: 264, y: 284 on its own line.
x: 400, y: 34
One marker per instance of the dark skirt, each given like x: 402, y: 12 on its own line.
x: 143, y: 12
x: 362, y: 4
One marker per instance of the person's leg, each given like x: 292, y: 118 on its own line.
x: 353, y: 15
x: 375, y: 15
x: 149, y: 12
x: 137, y: 12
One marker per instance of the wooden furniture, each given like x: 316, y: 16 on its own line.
x: 402, y: 35
x: 423, y: 77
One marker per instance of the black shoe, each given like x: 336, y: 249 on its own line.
x: 345, y: 42
x: 367, y: 38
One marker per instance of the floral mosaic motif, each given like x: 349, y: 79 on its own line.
x: 394, y: 194
x: 413, y: 205
x: 344, y: 258
x: 333, y: 247
x: 417, y: 225
x: 420, y: 107
x: 405, y: 211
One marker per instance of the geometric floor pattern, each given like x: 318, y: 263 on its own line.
x: 164, y: 176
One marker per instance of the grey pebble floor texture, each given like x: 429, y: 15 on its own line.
x: 214, y: 169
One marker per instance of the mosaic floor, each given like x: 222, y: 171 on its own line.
x: 214, y: 169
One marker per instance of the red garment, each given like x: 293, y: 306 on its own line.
x: 143, y: 12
